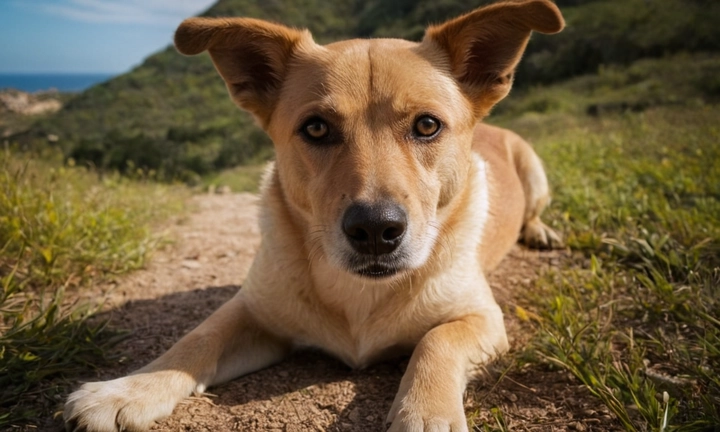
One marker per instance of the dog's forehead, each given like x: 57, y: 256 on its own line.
x: 350, y: 76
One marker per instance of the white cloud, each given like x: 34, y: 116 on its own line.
x: 150, y: 12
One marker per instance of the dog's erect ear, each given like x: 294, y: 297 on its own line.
x: 485, y: 46
x: 251, y: 55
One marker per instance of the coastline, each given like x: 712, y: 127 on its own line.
x: 45, y: 82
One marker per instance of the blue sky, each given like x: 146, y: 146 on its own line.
x: 92, y: 36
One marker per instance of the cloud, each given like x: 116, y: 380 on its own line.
x: 149, y: 12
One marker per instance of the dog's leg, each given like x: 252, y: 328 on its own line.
x: 228, y: 344
x: 431, y: 391
x: 537, y: 196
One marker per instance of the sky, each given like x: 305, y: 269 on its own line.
x: 87, y: 36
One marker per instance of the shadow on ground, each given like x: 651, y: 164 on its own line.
x: 308, y: 391
x: 311, y: 391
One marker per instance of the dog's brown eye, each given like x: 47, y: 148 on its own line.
x: 315, y: 129
x: 426, y: 126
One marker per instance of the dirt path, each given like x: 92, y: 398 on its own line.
x: 205, y: 266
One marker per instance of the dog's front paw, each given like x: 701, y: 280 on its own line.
x: 431, y: 415
x: 131, y: 403
x: 537, y: 235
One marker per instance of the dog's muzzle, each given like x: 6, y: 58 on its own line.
x: 375, y: 231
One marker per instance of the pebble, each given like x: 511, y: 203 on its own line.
x: 190, y: 264
x: 354, y: 415
x: 577, y: 426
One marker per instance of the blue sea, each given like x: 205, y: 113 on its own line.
x: 48, y: 81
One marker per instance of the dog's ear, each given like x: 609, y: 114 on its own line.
x: 251, y: 56
x: 485, y: 46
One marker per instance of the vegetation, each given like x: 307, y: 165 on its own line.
x: 238, y: 179
x: 622, y: 107
x: 607, y: 32
x: 636, y: 320
x: 679, y: 80
x: 12, y: 121
x: 62, y: 229
x: 172, y: 114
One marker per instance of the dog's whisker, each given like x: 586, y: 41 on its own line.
x: 314, y: 254
x: 443, y: 239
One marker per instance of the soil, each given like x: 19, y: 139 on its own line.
x: 204, y: 266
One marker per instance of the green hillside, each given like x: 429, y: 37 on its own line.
x: 172, y: 114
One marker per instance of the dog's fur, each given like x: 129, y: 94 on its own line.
x: 376, y: 233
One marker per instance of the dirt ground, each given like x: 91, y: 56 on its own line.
x: 205, y: 265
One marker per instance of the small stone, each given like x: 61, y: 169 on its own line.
x: 190, y: 264
x: 509, y: 396
x: 577, y: 426
x: 354, y: 415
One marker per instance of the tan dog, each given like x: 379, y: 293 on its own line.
x: 385, y: 208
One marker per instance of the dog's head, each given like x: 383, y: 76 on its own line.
x: 372, y: 137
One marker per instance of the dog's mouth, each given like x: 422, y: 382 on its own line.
x: 377, y: 268
x: 377, y: 271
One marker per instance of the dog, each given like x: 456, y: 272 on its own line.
x: 386, y: 206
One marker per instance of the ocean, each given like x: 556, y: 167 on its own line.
x: 46, y: 81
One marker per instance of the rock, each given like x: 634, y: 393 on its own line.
x: 190, y: 264
x: 509, y: 396
x: 27, y: 104
x: 354, y: 415
x: 577, y: 426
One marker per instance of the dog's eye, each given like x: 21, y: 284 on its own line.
x: 426, y: 127
x: 315, y: 129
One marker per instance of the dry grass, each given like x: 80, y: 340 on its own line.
x: 62, y: 228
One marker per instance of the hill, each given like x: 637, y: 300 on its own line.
x: 172, y: 114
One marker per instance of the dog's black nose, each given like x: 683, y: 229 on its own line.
x: 375, y: 229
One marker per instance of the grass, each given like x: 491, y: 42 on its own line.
x: 238, y: 179
x: 638, y: 320
x: 681, y: 80
x: 61, y: 229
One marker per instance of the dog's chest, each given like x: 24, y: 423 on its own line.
x: 374, y: 321
x: 362, y: 330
